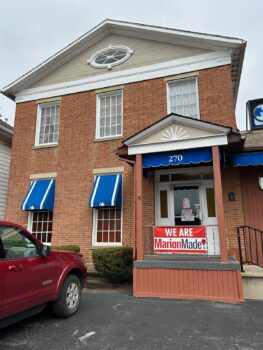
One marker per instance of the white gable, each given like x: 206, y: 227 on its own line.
x: 176, y: 132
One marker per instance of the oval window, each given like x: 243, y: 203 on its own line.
x: 110, y: 56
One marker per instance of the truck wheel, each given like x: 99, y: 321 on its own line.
x: 69, y: 299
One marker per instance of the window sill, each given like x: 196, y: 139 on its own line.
x: 113, y: 138
x: 112, y: 245
x: 45, y: 146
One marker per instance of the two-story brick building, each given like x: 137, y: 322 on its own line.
x: 127, y: 131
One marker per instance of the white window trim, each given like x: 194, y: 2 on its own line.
x: 173, y: 82
x: 94, y: 232
x: 110, y: 93
x: 30, y: 224
x: 37, y: 134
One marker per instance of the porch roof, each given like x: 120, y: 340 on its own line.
x: 176, y: 132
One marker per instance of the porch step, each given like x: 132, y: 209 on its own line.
x: 252, y: 280
x: 173, y: 257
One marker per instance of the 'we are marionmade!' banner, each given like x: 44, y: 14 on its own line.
x: 180, y: 239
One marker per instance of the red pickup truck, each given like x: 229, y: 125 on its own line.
x: 32, y: 275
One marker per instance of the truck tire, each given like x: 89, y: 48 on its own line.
x: 69, y: 299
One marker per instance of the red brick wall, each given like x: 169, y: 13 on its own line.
x: 77, y: 154
x: 216, y: 96
x: 233, y: 210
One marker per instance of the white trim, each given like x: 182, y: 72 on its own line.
x: 178, y: 81
x: 113, y: 170
x: 28, y: 195
x: 46, y: 193
x: 29, y: 221
x: 98, y: 106
x: 95, y: 191
x: 164, y: 69
x: 181, y: 33
x: 37, y: 134
x: 115, y: 189
x: 174, y: 118
x: 43, y: 176
x: 206, y: 141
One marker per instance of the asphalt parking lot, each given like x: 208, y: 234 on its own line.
x: 114, y: 320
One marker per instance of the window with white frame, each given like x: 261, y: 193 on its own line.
x: 40, y: 225
x: 183, y: 97
x: 109, y: 115
x: 47, y: 129
x: 107, y: 226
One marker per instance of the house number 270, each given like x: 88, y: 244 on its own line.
x: 173, y: 159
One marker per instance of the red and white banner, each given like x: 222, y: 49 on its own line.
x: 180, y: 239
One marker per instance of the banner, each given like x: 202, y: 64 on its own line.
x: 180, y: 239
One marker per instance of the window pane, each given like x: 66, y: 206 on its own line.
x: 49, y: 124
x: 110, y: 115
x: 164, y: 204
x: 210, y: 199
x: 186, y: 205
x: 186, y: 176
x: 183, y: 98
x: 42, y: 225
x: 108, y: 225
x: 164, y: 178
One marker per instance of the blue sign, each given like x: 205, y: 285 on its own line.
x: 258, y: 115
x: 255, y: 108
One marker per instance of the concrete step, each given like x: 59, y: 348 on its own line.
x: 252, y: 279
x: 182, y: 257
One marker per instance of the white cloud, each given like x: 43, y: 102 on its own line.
x: 33, y: 30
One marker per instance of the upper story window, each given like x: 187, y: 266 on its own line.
x: 109, y: 115
x: 47, y: 128
x: 183, y: 97
x: 110, y: 56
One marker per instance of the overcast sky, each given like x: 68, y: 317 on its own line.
x: 33, y: 30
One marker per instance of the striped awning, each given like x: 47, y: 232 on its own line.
x: 40, y: 195
x: 106, y: 191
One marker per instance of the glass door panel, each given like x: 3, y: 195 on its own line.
x: 187, y: 205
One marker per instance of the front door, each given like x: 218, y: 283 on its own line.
x: 209, y: 218
x: 188, y: 203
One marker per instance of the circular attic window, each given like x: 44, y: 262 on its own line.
x: 110, y: 56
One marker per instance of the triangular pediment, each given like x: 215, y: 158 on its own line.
x: 145, y: 52
x: 177, y: 132
x: 152, y: 46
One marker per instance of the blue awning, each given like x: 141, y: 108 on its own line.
x: 247, y: 159
x: 185, y: 157
x: 106, y: 191
x: 40, y: 195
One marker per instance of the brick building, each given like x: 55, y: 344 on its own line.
x: 128, y: 128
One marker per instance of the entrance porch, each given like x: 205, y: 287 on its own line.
x: 188, y: 198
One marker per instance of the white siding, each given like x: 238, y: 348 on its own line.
x: 146, y: 52
x: 5, y: 153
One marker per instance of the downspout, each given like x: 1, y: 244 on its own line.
x: 132, y: 162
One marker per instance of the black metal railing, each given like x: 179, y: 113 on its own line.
x: 250, y: 244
